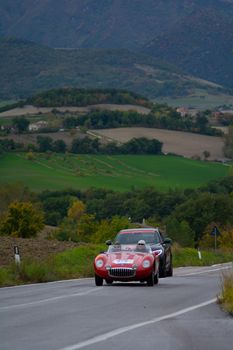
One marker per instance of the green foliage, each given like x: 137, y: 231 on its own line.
x: 7, y: 145
x: 55, y: 207
x: 134, y: 146
x: 225, y: 240
x: 85, y: 97
x: 22, y: 220
x: 44, y: 143
x: 161, y: 116
x: 14, y: 192
x: 228, y: 143
x: 180, y: 232
x: 189, y: 257
x: 59, y: 146
x: 35, y: 271
x: 4, y: 277
x: 226, y: 298
x: 203, y: 209
x: 76, y: 210
x: 107, y: 229
x: 21, y: 124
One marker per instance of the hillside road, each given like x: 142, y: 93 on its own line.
x: 179, y: 313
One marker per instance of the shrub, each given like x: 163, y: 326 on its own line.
x: 22, y: 220
x: 226, y: 299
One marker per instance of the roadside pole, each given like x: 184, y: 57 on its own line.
x: 17, y: 255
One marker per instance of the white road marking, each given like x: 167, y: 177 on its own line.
x: 118, y: 331
x: 38, y: 302
x: 205, y: 271
x: 91, y: 278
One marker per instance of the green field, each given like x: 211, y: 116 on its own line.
x: 200, y: 99
x: 56, y: 172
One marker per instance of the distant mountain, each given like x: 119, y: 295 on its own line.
x: 196, y: 35
x: 201, y: 44
x: 87, y: 23
x: 27, y: 68
x: 98, y: 23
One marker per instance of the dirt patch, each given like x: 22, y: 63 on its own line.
x: 66, y: 136
x: 178, y: 142
x: 32, y: 110
x: 37, y: 248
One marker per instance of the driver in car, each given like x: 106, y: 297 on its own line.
x: 141, y: 246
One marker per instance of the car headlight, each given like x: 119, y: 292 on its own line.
x: 146, y: 264
x: 99, y: 263
x: 158, y: 252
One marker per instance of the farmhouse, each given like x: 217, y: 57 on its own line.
x: 38, y: 125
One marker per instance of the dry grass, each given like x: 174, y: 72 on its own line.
x: 178, y: 142
x: 226, y: 297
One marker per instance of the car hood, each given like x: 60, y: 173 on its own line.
x: 126, y: 259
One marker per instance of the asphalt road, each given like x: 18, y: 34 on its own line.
x: 179, y: 313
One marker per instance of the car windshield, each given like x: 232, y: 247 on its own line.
x: 134, y: 237
x: 125, y: 248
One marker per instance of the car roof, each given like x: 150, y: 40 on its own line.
x: 143, y: 229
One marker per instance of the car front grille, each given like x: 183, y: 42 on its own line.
x: 122, y: 272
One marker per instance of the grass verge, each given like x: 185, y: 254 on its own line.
x: 78, y: 262
x: 74, y: 263
x: 189, y: 257
x: 226, y: 297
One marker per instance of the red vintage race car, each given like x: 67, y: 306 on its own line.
x: 127, y: 263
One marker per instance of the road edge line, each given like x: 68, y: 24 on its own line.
x: 116, y: 332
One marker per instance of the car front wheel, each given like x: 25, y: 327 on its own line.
x: 98, y: 280
x: 151, y: 280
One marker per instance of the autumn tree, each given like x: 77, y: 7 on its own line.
x: 76, y: 210
x: 22, y: 220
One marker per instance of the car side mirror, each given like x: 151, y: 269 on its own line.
x: 167, y: 240
x: 108, y: 242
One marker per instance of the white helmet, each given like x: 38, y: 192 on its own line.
x: 141, y: 242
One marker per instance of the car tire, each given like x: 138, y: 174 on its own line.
x: 151, y: 280
x: 162, y: 269
x: 156, y: 278
x: 170, y: 270
x: 98, y: 281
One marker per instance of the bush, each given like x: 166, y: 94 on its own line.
x: 22, y: 220
x: 226, y: 299
x: 35, y: 271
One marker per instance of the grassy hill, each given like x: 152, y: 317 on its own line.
x: 27, y: 68
x: 197, y: 48
x: 58, y: 172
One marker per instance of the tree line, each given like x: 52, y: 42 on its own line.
x: 94, y: 215
x: 163, y: 118
x: 86, y: 145
x: 84, y: 97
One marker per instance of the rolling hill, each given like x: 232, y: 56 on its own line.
x: 27, y: 68
x: 196, y: 35
x: 201, y: 45
x: 112, y: 172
